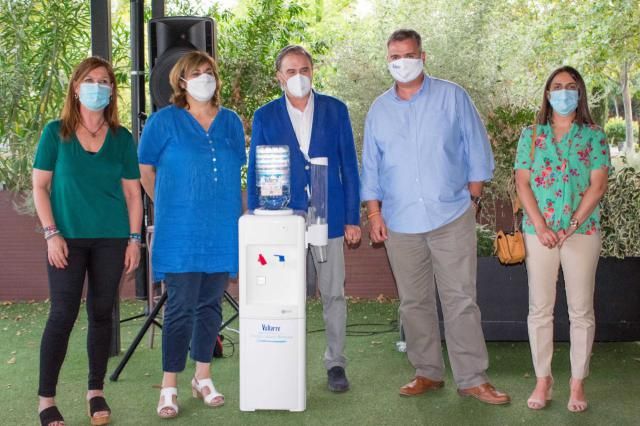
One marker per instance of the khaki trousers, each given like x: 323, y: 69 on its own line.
x: 443, y: 259
x: 579, y: 259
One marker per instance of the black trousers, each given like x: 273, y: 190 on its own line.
x: 102, y: 260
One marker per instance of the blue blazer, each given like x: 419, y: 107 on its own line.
x: 331, y: 137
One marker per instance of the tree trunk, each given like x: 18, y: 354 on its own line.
x: 626, y: 102
x: 600, y: 109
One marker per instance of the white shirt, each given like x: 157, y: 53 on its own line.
x: 302, y: 122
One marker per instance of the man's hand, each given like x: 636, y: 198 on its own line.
x: 377, y: 229
x: 352, y: 234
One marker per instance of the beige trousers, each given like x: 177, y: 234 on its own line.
x: 579, y: 259
x: 442, y: 260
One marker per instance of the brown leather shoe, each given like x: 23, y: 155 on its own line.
x: 487, y: 394
x: 420, y: 385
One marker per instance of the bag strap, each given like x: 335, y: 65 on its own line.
x: 515, y: 201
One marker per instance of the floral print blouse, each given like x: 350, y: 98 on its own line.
x: 560, y: 172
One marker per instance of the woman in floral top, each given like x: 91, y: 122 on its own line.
x: 560, y: 182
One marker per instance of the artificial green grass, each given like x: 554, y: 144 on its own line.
x: 376, y: 371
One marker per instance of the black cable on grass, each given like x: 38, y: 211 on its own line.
x: 392, y: 328
x: 228, y: 342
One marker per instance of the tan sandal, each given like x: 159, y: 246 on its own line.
x: 213, y: 399
x: 538, y: 404
x: 576, y: 405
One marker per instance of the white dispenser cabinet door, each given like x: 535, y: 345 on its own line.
x: 272, y: 287
x: 272, y: 364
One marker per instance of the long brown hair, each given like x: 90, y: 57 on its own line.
x: 70, y: 115
x: 183, y: 68
x: 583, y: 116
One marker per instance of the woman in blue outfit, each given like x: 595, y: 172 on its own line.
x: 190, y: 156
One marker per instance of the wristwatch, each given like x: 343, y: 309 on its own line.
x: 574, y: 222
x: 477, y: 200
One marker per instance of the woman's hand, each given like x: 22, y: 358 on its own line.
x: 564, y: 234
x: 546, y: 236
x: 57, y: 252
x: 132, y: 257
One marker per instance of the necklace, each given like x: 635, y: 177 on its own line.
x: 95, y: 133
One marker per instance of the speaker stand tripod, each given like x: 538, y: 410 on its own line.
x: 151, y: 319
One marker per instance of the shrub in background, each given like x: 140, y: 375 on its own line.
x: 485, y: 236
x: 616, y: 129
x: 504, y: 126
x: 620, y: 211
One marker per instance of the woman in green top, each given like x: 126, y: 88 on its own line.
x: 560, y: 181
x: 87, y: 195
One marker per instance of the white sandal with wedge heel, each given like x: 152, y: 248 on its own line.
x: 213, y: 399
x: 167, y: 395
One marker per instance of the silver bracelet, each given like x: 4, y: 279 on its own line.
x: 50, y: 234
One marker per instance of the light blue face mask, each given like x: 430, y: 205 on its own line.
x: 94, y: 96
x: 564, y: 102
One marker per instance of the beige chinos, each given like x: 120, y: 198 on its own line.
x: 444, y: 260
x: 579, y: 259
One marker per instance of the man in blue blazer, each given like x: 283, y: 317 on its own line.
x: 315, y: 125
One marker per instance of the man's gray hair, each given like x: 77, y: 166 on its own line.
x: 292, y: 49
x: 405, y: 34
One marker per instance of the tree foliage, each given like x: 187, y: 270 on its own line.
x: 500, y: 51
x: 40, y: 43
x: 248, y: 46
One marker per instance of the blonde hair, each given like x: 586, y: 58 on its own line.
x: 70, y: 116
x: 183, y: 68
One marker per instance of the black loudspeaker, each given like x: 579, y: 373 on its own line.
x: 169, y: 39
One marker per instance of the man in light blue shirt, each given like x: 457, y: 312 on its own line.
x: 426, y: 155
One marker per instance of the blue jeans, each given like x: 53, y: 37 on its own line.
x: 192, y: 315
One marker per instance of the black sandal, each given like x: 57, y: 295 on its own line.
x: 50, y: 415
x: 96, y: 404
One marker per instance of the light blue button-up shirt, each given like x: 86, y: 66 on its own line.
x: 420, y: 154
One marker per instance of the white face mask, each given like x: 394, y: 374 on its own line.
x: 405, y: 70
x: 299, y: 86
x: 202, y: 88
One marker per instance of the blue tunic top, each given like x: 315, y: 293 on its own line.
x: 197, y: 190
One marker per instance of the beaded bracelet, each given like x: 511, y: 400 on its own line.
x: 50, y: 231
x: 135, y: 238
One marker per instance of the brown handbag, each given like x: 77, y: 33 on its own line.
x: 509, y: 247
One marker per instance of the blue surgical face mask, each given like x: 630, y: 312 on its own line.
x: 95, y: 96
x: 564, y: 102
